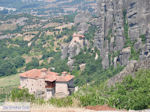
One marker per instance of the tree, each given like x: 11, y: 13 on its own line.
x: 33, y: 64
x: 18, y: 61
x: 7, y: 68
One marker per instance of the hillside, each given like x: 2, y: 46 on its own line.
x: 7, y: 84
x: 35, y: 42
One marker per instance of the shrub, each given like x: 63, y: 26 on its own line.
x: 63, y: 102
x: 33, y: 64
x: 132, y: 93
x: 21, y: 95
x: 143, y: 37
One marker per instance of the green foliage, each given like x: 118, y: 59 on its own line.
x: 143, y: 38
x: 18, y: 61
x: 89, y: 35
x: 68, y: 39
x: 69, y: 18
x: 67, y: 32
x: 128, y: 43
x: 134, y: 54
x: 109, y: 35
x: 132, y: 93
x: 59, y: 64
x: 33, y: 64
x: 126, y: 26
x: 94, y: 71
x: 2, y: 97
x: 11, y: 56
x: 7, y: 68
x: 21, y: 95
x: 63, y: 102
x: 49, y: 54
x: 92, y: 99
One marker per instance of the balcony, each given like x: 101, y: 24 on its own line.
x: 49, y: 85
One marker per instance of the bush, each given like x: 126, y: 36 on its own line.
x: 18, y: 61
x: 33, y: 64
x: 21, y: 95
x: 63, y: 102
x: 132, y: 93
x: 7, y: 68
x: 143, y: 37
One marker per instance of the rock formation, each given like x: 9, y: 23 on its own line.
x: 73, y: 48
x: 120, y: 24
x: 130, y: 69
x: 113, y: 15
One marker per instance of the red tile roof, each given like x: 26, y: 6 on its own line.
x: 48, y: 76
x: 78, y: 35
x: 34, y: 73
x: 64, y: 78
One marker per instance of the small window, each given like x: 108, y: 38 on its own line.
x: 146, y: 53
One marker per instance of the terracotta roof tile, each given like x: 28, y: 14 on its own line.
x: 78, y: 35
x: 64, y: 78
x: 34, y: 73
x: 43, y: 69
x: 49, y: 76
x: 52, y: 73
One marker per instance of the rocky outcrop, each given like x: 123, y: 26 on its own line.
x: 120, y: 24
x: 64, y: 52
x: 112, y: 34
x: 138, y: 16
x: 73, y: 48
x: 130, y: 69
x: 124, y: 56
x: 82, y: 19
x: 146, y: 49
x: 78, y: 42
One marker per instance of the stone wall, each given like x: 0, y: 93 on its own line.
x: 37, y: 87
x: 61, y: 89
x: 50, y: 93
x: 33, y: 85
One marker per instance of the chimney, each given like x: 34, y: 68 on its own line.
x: 64, y: 73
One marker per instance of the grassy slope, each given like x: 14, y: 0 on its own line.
x: 7, y: 83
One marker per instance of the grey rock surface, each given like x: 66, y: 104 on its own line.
x: 119, y: 23
x: 110, y: 37
x: 130, y: 69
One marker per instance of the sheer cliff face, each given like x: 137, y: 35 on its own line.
x: 123, y: 30
x: 138, y: 15
x: 118, y: 21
